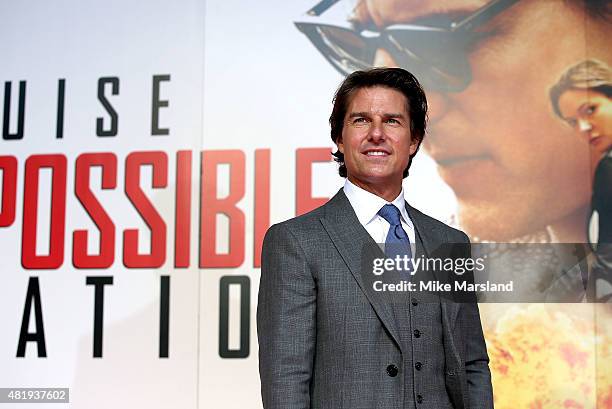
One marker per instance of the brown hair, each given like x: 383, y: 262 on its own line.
x: 591, y: 74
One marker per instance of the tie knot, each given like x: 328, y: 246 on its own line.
x: 391, y: 214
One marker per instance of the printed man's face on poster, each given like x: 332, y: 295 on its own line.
x: 515, y: 168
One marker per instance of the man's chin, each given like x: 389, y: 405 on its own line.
x: 495, y: 222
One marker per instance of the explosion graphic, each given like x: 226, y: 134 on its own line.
x: 550, y: 355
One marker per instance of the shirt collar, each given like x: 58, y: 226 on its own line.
x: 367, y: 205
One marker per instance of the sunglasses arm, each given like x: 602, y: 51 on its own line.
x: 321, y: 7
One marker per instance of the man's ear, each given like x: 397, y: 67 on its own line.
x: 340, y: 144
x: 415, y: 144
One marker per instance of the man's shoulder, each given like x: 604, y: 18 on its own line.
x: 305, y: 225
x: 336, y: 205
x: 429, y: 223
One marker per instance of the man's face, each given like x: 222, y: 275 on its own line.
x: 376, y: 140
x: 590, y: 114
x: 513, y: 166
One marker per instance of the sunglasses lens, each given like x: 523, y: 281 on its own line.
x: 347, y: 50
x: 437, y: 58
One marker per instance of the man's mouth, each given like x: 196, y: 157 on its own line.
x: 467, y: 173
x: 594, y: 139
x: 376, y: 153
x: 450, y: 161
x: 447, y: 156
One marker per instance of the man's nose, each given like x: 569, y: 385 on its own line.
x: 437, y: 102
x: 376, y: 133
x: 382, y: 58
x: 584, y: 126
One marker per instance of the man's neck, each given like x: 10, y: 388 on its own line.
x: 388, y: 192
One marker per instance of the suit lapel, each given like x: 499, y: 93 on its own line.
x: 430, y: 237
x: 355, y: 246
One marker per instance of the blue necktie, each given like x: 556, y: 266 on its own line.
x: 397, y: 242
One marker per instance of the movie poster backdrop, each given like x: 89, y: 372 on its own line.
x: 147, y: 147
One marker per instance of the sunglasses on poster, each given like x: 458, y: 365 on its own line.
x: 436, y: 52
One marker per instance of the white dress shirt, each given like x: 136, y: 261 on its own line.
x: 366, y: 206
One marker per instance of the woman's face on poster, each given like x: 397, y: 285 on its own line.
x: 589, y: 113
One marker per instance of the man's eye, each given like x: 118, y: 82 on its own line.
x: 359, y: 120
x: 392, y: 121
x: 591, y: 109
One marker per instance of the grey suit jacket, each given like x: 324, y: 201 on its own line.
x: 325, y: 339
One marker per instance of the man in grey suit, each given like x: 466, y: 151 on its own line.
x: 327, y: 339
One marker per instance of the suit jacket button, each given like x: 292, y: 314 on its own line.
x: 417, y: 333
x: 415, y: 302
x: 392, y: 370
x: 419, y: 399
x: 418, y: 366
